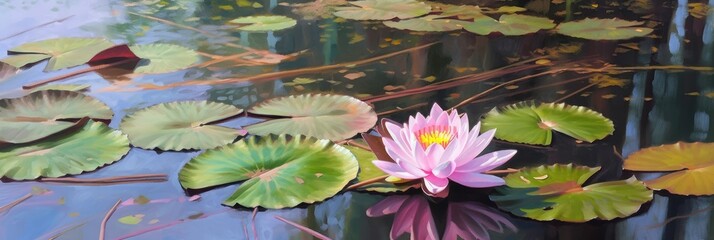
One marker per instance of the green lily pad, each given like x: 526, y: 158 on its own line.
x: 163, y: 58
x: 383, y: 10
x: 92, y: 146
x: 62, y: 87
x: 556, y: 192
x: 509, y: 25
x: 264, y: 23
x: 334, y: 117
x: 20, y: 60
x: 604, y: 29
x: 63, y: 52
x: 41, y: 114
x: 367, y: 170
x: 281, y: 171
x: 459, y: 11
x: 180, y: 125
x: 526, y: 123
x: 427, y: 24
x: 690, y: 167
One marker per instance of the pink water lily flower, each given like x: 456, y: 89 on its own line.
x: 439, y: 148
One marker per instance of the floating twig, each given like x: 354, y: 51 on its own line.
x: 531, y: 89
x: 15, y: 203
x: 63, y: 231
x: 304, y: 229
x: 454, y: 82
x: 36, y: 27
x: 163, y: 226
x: 140, y: 178
x: 511, y: 82
x: 282, y: 74
x: 103, y: 226
x: 398, y: 109
x: 359, y: 145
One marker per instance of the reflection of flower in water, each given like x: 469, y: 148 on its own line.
x: 413, y: 216
x: 471, y: 220
x: 467, y: 220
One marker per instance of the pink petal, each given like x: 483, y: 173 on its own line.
x: 395, y: 150
x: 441, y: 119
x: 435, y: 110
x: 474, y: 146
x: 394, y: 170
x: 420, y: 122
x: 487, y: 162
x: 433, y: 185
x: 476, y: 180
x: 387, y: 206
x: 433, y: 155
x: 393, y: 129
x: 444, y: 169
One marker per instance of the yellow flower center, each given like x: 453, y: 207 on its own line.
x: 441, y: 135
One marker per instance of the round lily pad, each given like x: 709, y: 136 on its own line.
x: 509, y: 25
x: 43, y: 113
x: 690, y: 167
x: 367, y: 170
x: 427, y: 24
x: 92, y: 146
x: 334, y: 117
x: 556, y: 192
x: 530, y: 124
x: 281, y: 171
x: 63, y: 52
x: 604, y: 29
x: 162, y: 58
x: 264, y: 23
x: 383, y: 9
x: 180, y: 125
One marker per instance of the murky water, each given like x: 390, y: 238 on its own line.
x: 653, y: 107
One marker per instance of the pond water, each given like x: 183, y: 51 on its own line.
x: 648, y: 107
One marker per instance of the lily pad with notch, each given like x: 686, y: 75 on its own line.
x: 334, y: 117
x: 604, y: 29
x: 427, y: 24
x: 279, y: 171
x: 557, y: 192
x: 162, y: 58
x: 527, y: 123
x: 91, y: 146
x: 181, y: 125
x: 509, y: 25
x: 383, y: 10
x: 264, y: 23
x: 62, y: 52
x: 689, y: 167
x: 44, y: 113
